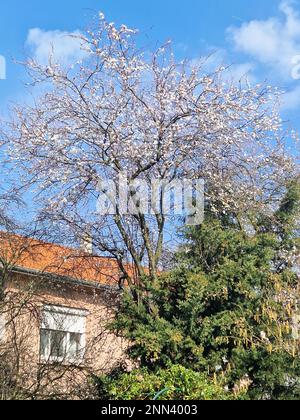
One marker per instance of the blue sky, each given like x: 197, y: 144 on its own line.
x: 261, y: 38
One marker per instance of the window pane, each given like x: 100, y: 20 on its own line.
x: 74, y: 345
x: 57, y: 344
x: 44, y: 346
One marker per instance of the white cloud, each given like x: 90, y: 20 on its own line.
x: 291, y: 99
x: 242, y: 71
x: 235, y: 72
x: 64, y: 47
x: 273, y: 42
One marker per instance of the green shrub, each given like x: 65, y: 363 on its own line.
x: 175, y: 383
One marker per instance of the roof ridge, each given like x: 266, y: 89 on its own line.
x: 54, y: 244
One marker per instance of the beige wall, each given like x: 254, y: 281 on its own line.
x: 25, y: 297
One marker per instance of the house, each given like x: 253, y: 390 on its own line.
x: 56, y: 306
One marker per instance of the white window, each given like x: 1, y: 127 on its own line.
x: 62, y: 335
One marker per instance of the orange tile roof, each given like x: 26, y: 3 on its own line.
x: 48, y: 258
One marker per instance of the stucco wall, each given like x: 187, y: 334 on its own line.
x: 26, y: 296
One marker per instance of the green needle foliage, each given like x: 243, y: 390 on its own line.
x: 228, y: 310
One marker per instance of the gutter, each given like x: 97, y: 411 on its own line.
x: 64, y: 279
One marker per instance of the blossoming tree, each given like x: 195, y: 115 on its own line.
x: 122, y: 109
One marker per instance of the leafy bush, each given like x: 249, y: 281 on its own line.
x: 175, y: 383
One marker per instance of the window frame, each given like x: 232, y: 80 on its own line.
x: 67, y: 358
